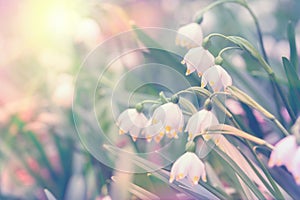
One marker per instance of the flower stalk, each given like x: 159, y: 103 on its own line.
x: 243, y: 97
x: 230, y: 130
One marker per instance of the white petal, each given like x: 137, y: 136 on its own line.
x: 170, y: 116
x: 217, y: 77
x: 225, y: 78
x: 198, y: 58
x: 196, y: 170
x: 200, y: 121
x: 283, y: 151
x: 189, y: 35
x: 183, y: 165
x: 153, y: 131
x: 122, y: 116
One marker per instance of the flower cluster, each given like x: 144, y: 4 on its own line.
x: 166, y: 119
x: 201, y: 60
x: 287, y: 153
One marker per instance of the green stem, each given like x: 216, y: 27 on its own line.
x: 273, y: 79
x: 259, y: 32
x: 245, y: 5
x: 218, y: 93
x: 226, y: 49
x: 150, y: 102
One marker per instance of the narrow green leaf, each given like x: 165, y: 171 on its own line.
x: 161, y: 55
x: 196, y: 192
x: 292, y: 42
x: 42, y: 153
x: 244, y: 44
x: 260, y: 176
x: 294, y: 82
x: 223, y: 156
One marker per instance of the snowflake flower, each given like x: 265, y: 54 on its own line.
x: 189, y: 36
x: 217, y: 77
x: 283, y: 152
x: 131, y: 121
x: 198, y: 59
x: 171, y: 118
x: 188, y: 165
x: 199, y: 122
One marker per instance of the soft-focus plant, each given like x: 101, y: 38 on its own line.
x: 232, y: 133
x: 234, y: 154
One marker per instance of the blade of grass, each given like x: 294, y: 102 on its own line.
x: 292, y: 42
x: 33, y: 139
x: 293, y: 80
x: 225, y: 158
x: 269, y: 177
x: 164, y: 176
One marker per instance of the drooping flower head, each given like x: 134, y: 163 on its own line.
x: 171, y: 118
x: 283, y: 152
x: 188, y: 165
x: 216, y: 77
x: 198, y: 59
x: 189, y: 36
x: 199, y: 122
x: 131, y: 121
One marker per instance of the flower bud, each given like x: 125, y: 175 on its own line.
x: 218, y: 60
x: 175, y: 98
x: 139, y: 107
x: 208, y: 104
x: 199, y: 19
x: 206, y: 43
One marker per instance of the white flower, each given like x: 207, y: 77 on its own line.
x: 198, y: 59
x: 171, y: 118
x: 154, y: 130
x: 217, y: 78
x: 283, y: 152
x: 132, y: 121
x: 189, y: 36
x: 188, y: 165
x: 295, y: 166
x: 199, y: 122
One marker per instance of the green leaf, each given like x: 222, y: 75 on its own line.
x: 225, y: 158
x: 292, y: 42
x: 195, y: 192
x: 294, y: 82
x: 161, y: 56
x: 263, y: 179
x: 244, y: 44
x: 32, y: 137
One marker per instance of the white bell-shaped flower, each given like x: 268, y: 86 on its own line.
x: 216, y: 77
x: 198, y: 59
x: 189, y: 36
x: 131, y: 121
x: 283, y: 152
x: 199, y: 122
x: 171, y: 118
x: 188, y: 165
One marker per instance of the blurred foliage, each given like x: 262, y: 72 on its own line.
x: 42, y: 46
